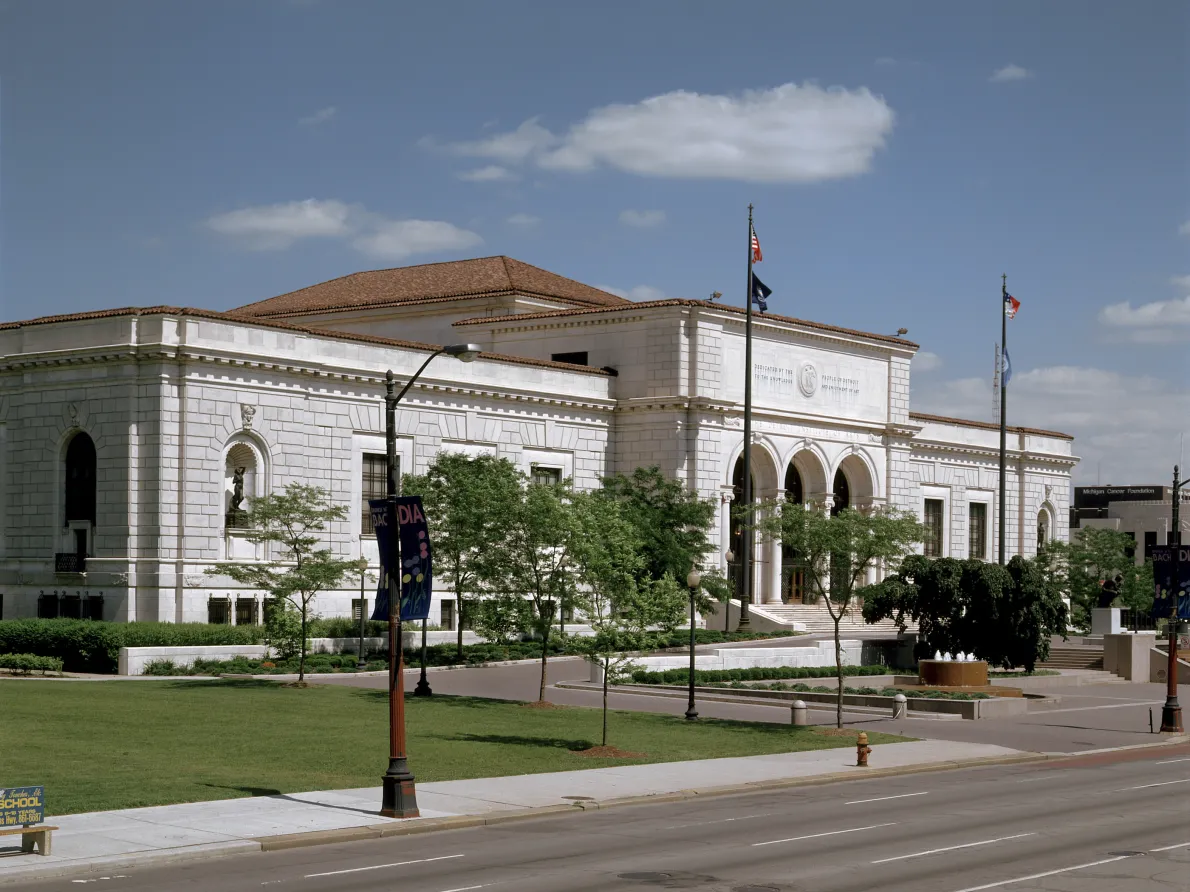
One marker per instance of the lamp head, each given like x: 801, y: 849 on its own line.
x: 464, y: 352
x: 730, y: 556
x: 362, y: 564
x: 901, y: 332
x: 693, y: 578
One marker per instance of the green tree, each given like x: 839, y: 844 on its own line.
x: 626, y: 615
x: 837, y: 552
x: 466, y: 500
x: 292, y: 521
x: 534, y: 558
x: 1095, y: 556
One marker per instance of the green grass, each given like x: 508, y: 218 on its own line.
x: 123, y: 744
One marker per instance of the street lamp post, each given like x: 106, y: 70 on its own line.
x: 693, y: 578
x: 1171, y: 712
x: 362, y: 565
x: 398, y: 796
x: 422, y: 688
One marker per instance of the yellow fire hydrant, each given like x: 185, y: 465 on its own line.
x: 861, y: 750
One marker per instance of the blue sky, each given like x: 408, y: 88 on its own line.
x: 900, y: 157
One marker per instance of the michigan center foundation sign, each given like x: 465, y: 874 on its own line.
x: 20, y: 806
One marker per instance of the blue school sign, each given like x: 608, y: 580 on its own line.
x: 20, y: 806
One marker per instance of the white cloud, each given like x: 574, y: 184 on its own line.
x: 398, y: 239
x: 278, y: 226
x: 517, y: 145
x: 1161, y: 321
x: 1181, y: 282
x: 524, y: 220
x: 1010, y: 73
x: 925, y: 361
x: 1130, y: 423
x: 275, y: 227
x: 1184, y: 229
x: 319, y: 117
x: 787, y: 134
x: 886, y: 62
x: 493, y: 173
x: 640, y: 293
x: 642, y: 219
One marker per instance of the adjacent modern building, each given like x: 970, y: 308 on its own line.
x: 1143, y: 512
x: 123, y: 432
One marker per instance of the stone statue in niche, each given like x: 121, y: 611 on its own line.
x: 234, y: 514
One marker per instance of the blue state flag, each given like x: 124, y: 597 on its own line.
x: 760, y: 293
x: 1007, y: 367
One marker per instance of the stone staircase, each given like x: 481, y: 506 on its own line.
x: 817, y: 620
x: 1074, y: 657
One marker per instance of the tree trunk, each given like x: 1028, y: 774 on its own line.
x: 839, y: 672
x: 459, y: 621
x: 606, y: 672
x: 302, y: 658
x: 545, y: 644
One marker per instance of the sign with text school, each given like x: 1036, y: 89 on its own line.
x: 407, y: 520
x: 21, y: 805
x: 1164, y: 586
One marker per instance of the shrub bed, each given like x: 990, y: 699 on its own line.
x: 26, y: 664
x: 89, y: 646
x: 317, y: 663
x: 757, y: 673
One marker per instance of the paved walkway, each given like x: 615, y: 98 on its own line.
x: 108, y: 841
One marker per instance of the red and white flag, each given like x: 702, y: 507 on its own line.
x: 756, y: 255
x: 1011, y: 305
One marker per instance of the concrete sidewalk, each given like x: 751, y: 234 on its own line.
x: 138, y: 837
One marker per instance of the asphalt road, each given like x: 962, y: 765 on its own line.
x: 1112, y: 822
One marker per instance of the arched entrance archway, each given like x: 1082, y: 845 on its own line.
x: 765, y: 555
x: 80, y: 492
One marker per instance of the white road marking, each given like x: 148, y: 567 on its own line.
x: 1048, y: 873
x: 882, y: 798
x: 335, y: 873
x: 1041, y: 712
x: 1181, y: 845
x: 817, y: 835
x: 968, y: 845
x: 1171, y: 761
x: 469, y: 888
x: 1184, y: 780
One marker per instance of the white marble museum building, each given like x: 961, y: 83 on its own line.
x: 120, y: 430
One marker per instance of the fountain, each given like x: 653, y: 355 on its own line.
x: 961, y: 670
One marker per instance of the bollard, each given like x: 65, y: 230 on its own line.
x: 861, y: 750
x: 900, y: 706
x: 798, y: 714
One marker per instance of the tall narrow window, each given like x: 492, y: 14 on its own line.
x: 80, y: 480
x: 374, y: 485
x: 933, y: 524
x: 977, y: 530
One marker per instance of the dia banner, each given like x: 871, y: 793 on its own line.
x: 1163, y: 581
x: 409, y: 523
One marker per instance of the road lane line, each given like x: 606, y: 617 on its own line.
x: 1181, y: 845
x: 817, y: 835
x: 882, y: 798
x: 1171, y: 761
x: 968, y: 845
x: 335, y: 873
x: 719, y: 821
x: 1184, y: 780
x: 1048, y: 873
x: 469, y: 888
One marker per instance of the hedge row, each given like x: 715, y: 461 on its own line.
x: 24, y: 664
x: 757, y: 673
x: 882, y: 692
x: 89, y: 646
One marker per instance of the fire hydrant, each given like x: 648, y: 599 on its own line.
x: 861, y: 750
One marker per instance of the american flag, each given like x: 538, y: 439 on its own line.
x: 756, y: 255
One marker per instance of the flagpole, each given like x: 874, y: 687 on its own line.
x: 1003, y: 402
x: 746, y: 539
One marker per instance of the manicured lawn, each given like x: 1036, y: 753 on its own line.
x: 119, y: 744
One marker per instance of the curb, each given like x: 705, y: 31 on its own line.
x: 189, y: 854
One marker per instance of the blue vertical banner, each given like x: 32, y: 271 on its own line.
x: 1164, y: 585
x: 416, y: 577
x: 384, y: 522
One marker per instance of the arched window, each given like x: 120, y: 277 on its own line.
x: 1043, y: 529
x: 735, y: 569
x: 842, y: 491
x: 80, y: 480
x: 239, y: 478
x: 793, y: 576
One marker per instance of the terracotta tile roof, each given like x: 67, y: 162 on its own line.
x: 431, y: 283
x: 987, y: 425
x: 682, y: 302
x: 287, y: 326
